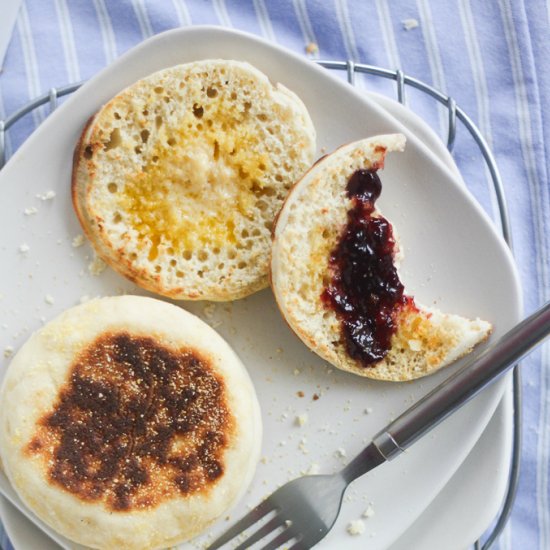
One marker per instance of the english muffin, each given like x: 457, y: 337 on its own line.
x: 127, y: 422
x: 334, y: 274
x: 176, y: 180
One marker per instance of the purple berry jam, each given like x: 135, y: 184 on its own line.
x: 365, y: 290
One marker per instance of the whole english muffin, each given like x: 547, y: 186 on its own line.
x: 334, y: 274
x: 129, y: 423
x: 177, y: 180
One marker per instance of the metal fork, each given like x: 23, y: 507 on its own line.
x: 304, y: 510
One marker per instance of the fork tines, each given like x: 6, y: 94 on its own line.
x: 254, y: 516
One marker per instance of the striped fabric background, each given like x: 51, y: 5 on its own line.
x: 492, y: 57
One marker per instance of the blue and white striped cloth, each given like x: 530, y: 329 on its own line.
x: 492, y: 57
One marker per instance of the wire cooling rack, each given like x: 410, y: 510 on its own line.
x: 454, y: 113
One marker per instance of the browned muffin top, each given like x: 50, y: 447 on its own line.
x: 135, y: 424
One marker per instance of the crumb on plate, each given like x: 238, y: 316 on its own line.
x: 301, y: 419
x: 356, y: 527
x: 96, y: 266
x: 209, y: 310
x: 47, y: 196
x: 312, y: 470
x: 341, y: 453
x: 369, y: 512
x: 78, y: 240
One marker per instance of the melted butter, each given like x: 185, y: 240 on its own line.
x: 196, y: 181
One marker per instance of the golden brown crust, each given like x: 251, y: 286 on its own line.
x: 77, y: 156
x: 136, y: 423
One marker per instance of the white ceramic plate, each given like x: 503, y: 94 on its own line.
x: 472, y: 497
x: 466, y: 506
x: 453, y: 258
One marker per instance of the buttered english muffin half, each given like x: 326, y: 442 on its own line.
x: 127, y: 422
x: 177, y: 180
x: 335, y: 277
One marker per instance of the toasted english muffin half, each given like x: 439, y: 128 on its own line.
x: 127, y: 422
x: 334, y: 274
x: 177, y: 180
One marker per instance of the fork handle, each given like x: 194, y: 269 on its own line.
x: 475, y: 375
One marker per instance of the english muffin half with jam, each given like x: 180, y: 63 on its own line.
x: 335, y: 278
x: 177, y: 180
x: 129, y: 423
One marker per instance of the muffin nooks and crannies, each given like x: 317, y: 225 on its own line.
x: 127, y: 422
x: 335, y: 278
x: 177, y: 180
